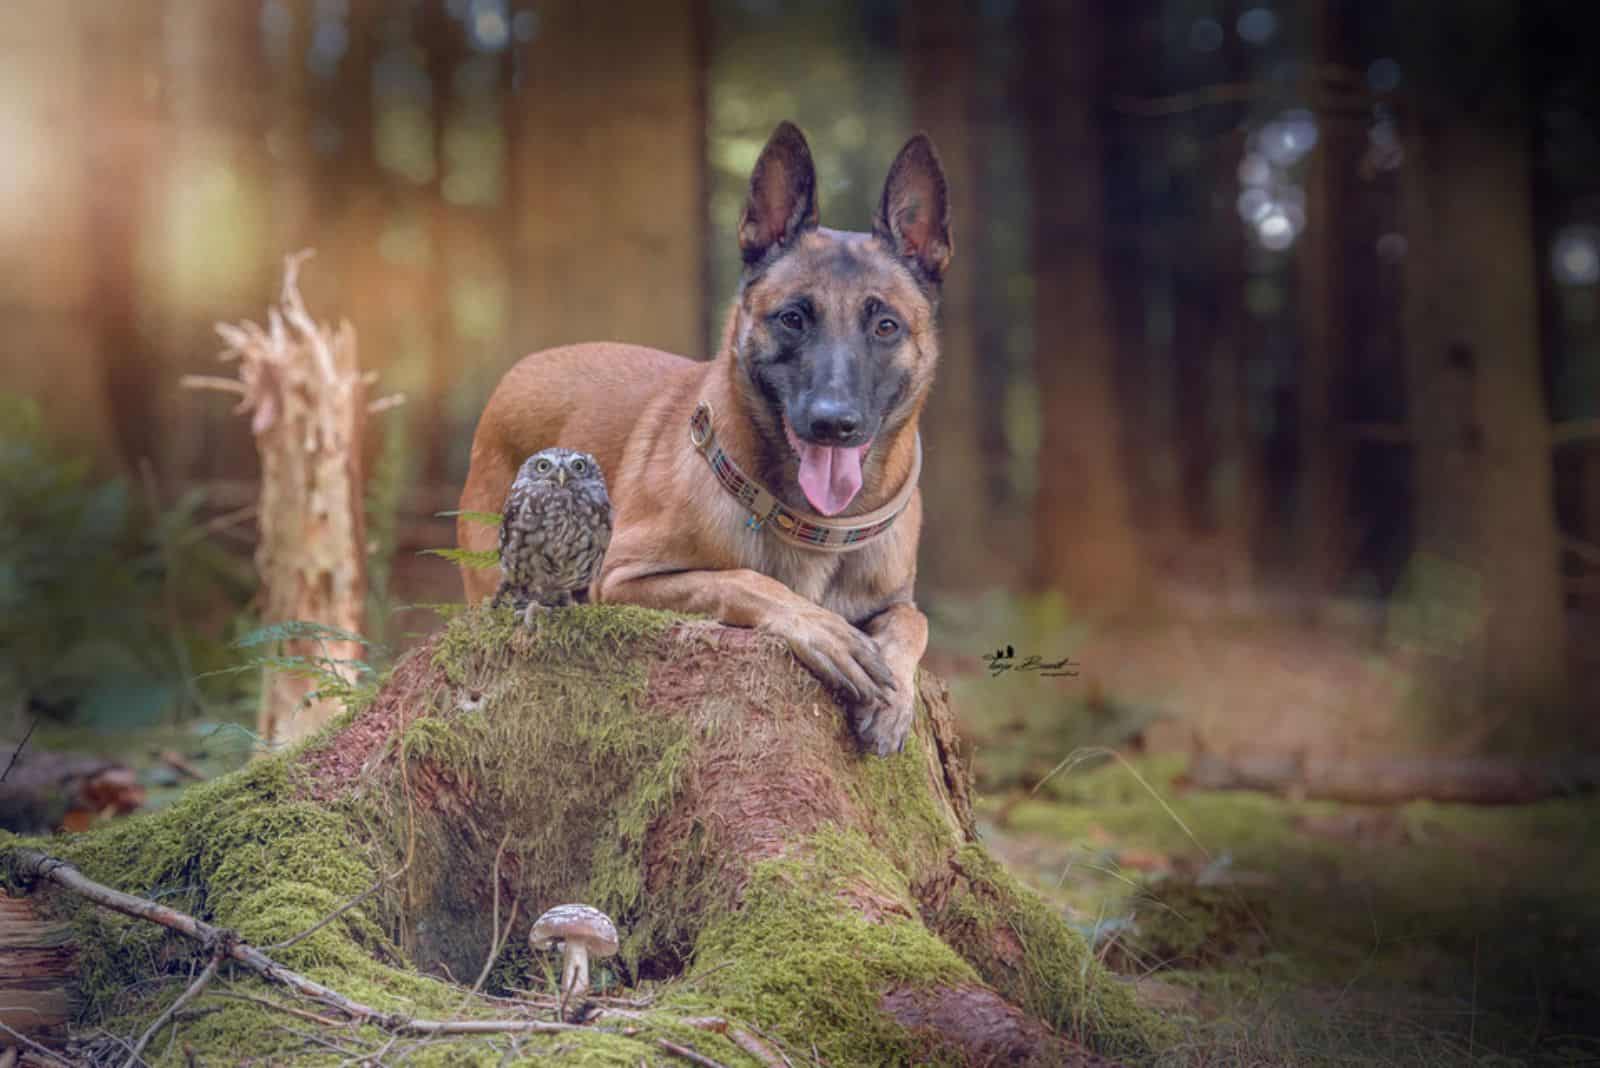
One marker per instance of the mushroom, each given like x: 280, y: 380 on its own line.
x: 582, y: 932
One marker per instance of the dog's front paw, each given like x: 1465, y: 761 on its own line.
x: 843, y: 658
x: 882, y: 726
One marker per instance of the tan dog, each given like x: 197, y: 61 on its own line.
x: 804, y: 432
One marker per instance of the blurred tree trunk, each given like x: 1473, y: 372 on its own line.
x: 1085, y: 544
x: 1323, y: 538
x: 1488, y: 568
x: 940, y: 40
x: 604, y: 100
x: 444, y: 40
x: 1236, y: 488
x: 125, y: 120
x: 212, y: 249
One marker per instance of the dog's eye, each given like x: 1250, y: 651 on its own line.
x: 886, y: 329
x: 792, y: 319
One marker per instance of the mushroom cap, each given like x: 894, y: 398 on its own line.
x: 578, y: 924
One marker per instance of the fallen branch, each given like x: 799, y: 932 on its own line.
x: 1466, y: 780
x: 191, y: 992
x: 15, y: 753
x: 32, y: 865
x: 42, y: 1051
x: 687, y: 1054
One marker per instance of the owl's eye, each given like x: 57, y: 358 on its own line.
x: 543, y: 467
x: 579, y: 467
x: 886, y: 329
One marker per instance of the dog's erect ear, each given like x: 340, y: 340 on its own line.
x: 914, y: 215
x: 783, y: 195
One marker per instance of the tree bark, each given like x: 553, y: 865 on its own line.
x: 1084, y: 543
x: 1322, y: 537
x: 689, y: 779
x: 1485, y: 508
x: 303, y: 387
x: 941, y: 39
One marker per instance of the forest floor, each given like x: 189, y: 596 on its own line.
x: 1309, y: 933
x: 1291, y: 932
x: 1284, y: 931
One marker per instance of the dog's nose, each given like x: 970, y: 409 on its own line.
x: 833, y: 420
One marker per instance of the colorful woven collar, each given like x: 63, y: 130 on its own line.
x: 809, y: 531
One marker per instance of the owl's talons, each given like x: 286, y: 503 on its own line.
x: 529, y: 613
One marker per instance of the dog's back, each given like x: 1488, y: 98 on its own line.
x: 585, y: 397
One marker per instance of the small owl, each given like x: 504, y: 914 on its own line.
x: 554, y: 531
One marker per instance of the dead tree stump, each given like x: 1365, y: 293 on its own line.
x: 689, y: 779
x: 302, y: 385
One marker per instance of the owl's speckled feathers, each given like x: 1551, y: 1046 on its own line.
x: 554, y: 532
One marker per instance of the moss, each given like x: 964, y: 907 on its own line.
x: 1178, y: 923
x: 555, y: 741
x: 1061, y: 982
x: 905, y: 820
x: 814, y: 972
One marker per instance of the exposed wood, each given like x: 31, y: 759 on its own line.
x: 38, y: 969
x: 306, y: 397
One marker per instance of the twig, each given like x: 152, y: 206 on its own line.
x: 43, y: 1051
x: 341, y: 910
x: 499, y: 940
x: 182, y: 765
x: 216, y: 382
x: 687, y: 1054
x: 220, y: 524
x: 31, y: 864
x: 190, y: 992
x: 17, y: 752
x: 325, y: 1021
x: 757, y: 1048
x: 770, y: 1041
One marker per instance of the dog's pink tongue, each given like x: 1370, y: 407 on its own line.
x: 830, y: 476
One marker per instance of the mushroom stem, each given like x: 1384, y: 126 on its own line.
x: 574, y: 969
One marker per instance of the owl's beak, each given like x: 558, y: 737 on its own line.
x: 561, y: 475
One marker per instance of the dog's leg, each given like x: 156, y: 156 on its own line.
x: 838, y: 653
x: 901, y: 631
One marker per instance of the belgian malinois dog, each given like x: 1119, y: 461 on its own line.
x: 775, y: 485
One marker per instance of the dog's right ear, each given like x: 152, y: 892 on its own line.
x: 783, y: 195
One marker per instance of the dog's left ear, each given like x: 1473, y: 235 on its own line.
x: 914, y: 215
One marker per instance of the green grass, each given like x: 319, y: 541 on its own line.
x: 1318, y: 933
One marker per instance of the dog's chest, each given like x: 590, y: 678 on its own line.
x: 851, y: 584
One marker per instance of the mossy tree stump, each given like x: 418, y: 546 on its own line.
x: 689, y: 779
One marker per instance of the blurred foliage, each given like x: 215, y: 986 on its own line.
x: 350, y: 681
x: 86, y: 571
x: 385, y: 489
